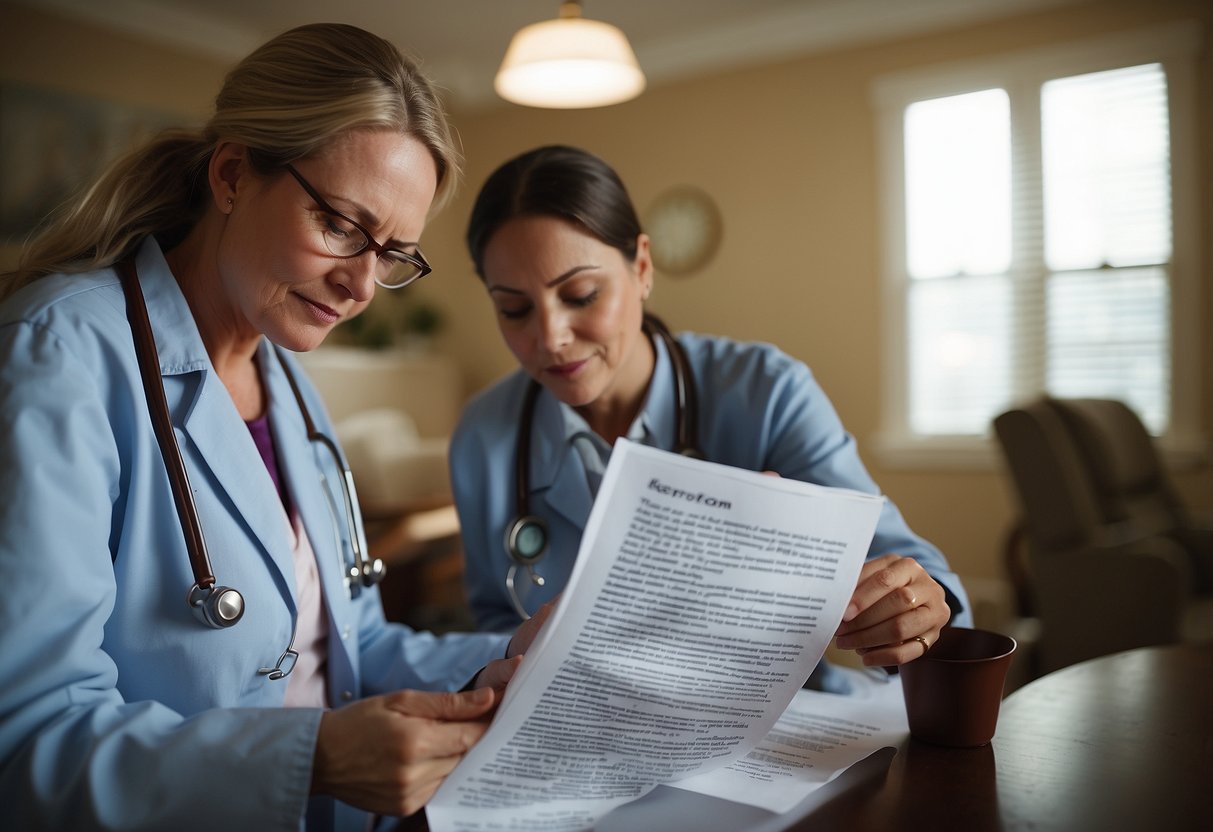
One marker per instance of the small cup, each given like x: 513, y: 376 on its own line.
x: 953, y: 692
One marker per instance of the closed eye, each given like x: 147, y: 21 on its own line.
x: 584, y: 300
x: 339, y: 226
x: 395, y: 257
x: 515, y: 313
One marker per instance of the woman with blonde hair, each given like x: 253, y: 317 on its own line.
x: 179, y: 540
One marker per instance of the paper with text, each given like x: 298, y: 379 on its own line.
x: 701, y: 599
x: 818, y: 737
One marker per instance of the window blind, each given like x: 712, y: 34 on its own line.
x: 1038, y: 248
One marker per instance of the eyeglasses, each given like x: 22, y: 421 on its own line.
x: 345, y: 238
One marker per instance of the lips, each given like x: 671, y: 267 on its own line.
x: 567, y: 370
x: 322, y: 313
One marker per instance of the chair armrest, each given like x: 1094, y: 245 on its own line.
x: 1197, y: 541
x: 1096, y: 601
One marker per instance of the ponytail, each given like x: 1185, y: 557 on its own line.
x: 159, y: 188
x: 289, y: 99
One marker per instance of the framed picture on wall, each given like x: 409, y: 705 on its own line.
x: 53, y: 143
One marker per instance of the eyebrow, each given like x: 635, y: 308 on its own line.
x: 551, y: 284
x: 365, y: 217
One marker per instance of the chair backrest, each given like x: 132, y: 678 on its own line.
x: 1083, y: 466
x: 1130, y: 482
x: 1102, y: 522
x: 1055, y: 493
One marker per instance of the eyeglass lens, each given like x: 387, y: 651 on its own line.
x: 345, y: 238
x: 394, y: 268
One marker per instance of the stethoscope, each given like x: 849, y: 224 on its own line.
x: 222, y: 606
x: 526, y: 538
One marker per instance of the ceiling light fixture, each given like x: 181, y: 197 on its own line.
x: 569, y: 62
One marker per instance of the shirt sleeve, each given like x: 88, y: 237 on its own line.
x: 798, y: 434
x: 75, y: 754
x: 481, y: 461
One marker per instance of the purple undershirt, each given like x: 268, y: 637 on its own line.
x: 260, y: 430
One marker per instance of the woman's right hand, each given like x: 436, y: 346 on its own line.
x: 388, y: 754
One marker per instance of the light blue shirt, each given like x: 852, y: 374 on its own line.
x: 759, y: 409
x: 118, y: 709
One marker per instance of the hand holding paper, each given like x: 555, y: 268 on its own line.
x: 702, y: 598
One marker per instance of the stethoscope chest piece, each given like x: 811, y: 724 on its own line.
x: 218, y: 607
x: 221, y: 606
x: 527, y: 540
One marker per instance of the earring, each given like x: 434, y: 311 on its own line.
x: 230, y: 203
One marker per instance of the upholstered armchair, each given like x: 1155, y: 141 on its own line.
x: 1110, y: 558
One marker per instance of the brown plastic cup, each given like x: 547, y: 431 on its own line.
x: 954, y: 691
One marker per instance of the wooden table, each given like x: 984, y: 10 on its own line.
x: 1116, y: 744
x: 1123, y: 742
x: 419, y: 543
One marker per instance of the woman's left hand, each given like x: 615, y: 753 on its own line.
x: 896, y: 606
x: 528, y: 630
x: 497, y: 674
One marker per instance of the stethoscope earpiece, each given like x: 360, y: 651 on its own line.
x: 218, y: 607
x: 368, y: 573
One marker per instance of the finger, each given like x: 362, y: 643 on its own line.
x: 463, y: 705
x: 529, y: 630
x: 878, y: 578
x: 889, y: 631
x: 375, y: 751
x: 423, y: 779
x: 897, y: 654
x: 923, y: 593
x: 428, y: 739
x: 497, y: 674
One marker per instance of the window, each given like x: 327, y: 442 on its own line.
x: 1038, y: 230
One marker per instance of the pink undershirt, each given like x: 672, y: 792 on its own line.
x: 305, y: 685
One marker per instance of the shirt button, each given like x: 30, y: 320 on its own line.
x: 345, y: 633
x: 347, y: 695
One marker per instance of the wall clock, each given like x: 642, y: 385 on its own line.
x: 684, y: 227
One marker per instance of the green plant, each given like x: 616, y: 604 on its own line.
x: 422, y: 319
x: 367, y: 332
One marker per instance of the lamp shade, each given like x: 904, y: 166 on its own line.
x: 567, y: 63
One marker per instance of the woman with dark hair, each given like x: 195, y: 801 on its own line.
x: 556, y: 241
x: 158, y: 436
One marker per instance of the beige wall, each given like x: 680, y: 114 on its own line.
x: 46, y: 51
x: 789, y: 153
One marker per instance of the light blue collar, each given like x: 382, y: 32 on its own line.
x: 557, y: 425
x: 561, y: 475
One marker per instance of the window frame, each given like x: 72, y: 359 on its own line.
x: 1022, y: 75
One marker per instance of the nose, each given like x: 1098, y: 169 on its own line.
x: 555, y: 332
x: 356, y: 275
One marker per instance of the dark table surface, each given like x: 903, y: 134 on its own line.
x: 1123, y: 742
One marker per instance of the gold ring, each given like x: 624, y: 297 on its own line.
x: 926, y: 645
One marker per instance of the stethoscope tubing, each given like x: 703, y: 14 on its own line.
x: 526, y: 525
x: 218, y: 606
